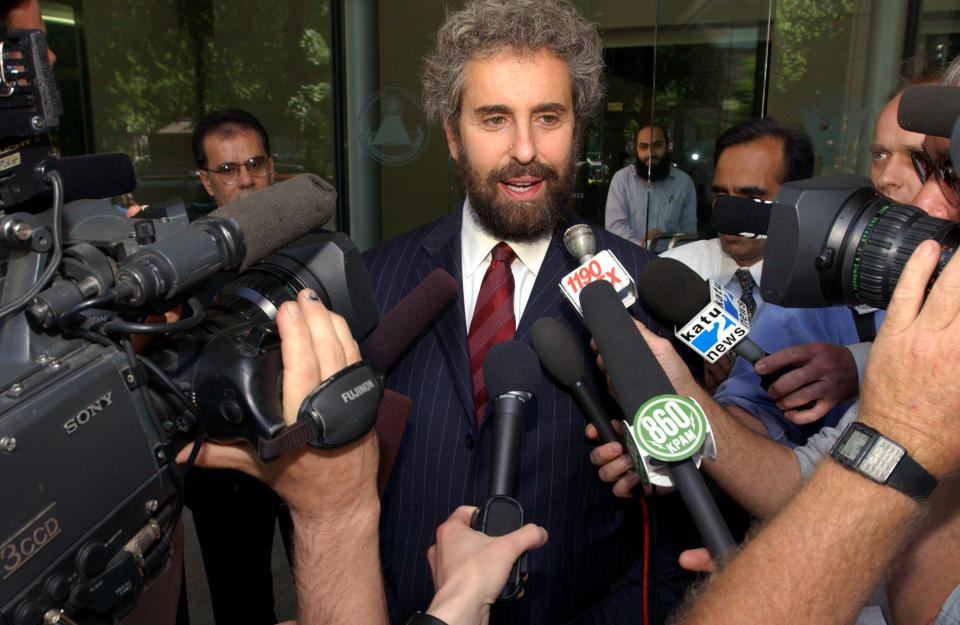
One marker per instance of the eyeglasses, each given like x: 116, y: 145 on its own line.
x: 946, y: 176
x: 227, y: 173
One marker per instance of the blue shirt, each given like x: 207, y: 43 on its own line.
x: 774, y: 328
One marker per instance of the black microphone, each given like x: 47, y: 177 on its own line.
x: 558, y: 351
x: 408, y: 317
x: 678, y: 294
x: 637, y: 377
x: 247, y: 229
x: 511, y: 374
x: 929, y: 109
x: 95, y: 176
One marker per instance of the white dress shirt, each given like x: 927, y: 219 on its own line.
x: 475, y: 246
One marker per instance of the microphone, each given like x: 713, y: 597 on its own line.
x: 279, y: 214
x: 581, y: 242
x: 929, y: 109
x: 95, y: 176
x: 511, y: 374
x: 247, y: 229
x: 558, y: 352
x: 666, y: 427
x: 408, y: 317
x: 709, y: 320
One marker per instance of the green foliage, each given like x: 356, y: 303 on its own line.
x: 803, y: 25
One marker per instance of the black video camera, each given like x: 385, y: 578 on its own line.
x: 835, y: 240
x: 89, y: 427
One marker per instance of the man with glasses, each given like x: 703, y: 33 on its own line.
x: 235, y: 514
x: 232, y: 151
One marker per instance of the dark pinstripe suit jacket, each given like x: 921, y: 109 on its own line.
x: 589, y: 571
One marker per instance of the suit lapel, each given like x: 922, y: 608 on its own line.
x: 546, y: 298
x: 442, y: 251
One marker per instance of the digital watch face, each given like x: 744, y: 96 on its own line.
x: 853, y: 445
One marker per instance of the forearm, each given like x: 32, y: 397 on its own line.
x: 926, y: 572
x: 791, y: 571
x: 337, y: 567
x: 760, y: 474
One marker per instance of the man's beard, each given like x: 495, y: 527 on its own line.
x: 659, y: 171
x: 510, y: 220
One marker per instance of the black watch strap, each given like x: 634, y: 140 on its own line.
x: 912, y: 479
x: 865, y: 450
x: 419, y: 618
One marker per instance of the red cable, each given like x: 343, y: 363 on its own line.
x: 646, y: 557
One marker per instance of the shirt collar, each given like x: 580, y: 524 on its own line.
x: 476, y: 245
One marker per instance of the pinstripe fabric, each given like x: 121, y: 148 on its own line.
x: 591, y: 568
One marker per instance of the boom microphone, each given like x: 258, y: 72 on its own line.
x: 402, y: 323
x: 275, y: 216
x: 511, y: 374
x: 95, y: 176
x: 640, y: 383
x: 559, y: 353
x: 247, y: 229
x: 929, y: 109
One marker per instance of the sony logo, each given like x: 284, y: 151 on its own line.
x: 87, y: 413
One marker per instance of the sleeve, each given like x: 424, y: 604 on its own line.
x: 688, y: 218
x: 774, y: 328
x: 617, y: 214
x: 818, y: 446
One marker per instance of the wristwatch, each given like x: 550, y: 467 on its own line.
x: 865, y: 450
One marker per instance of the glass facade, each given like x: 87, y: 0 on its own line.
x: 336, y: 83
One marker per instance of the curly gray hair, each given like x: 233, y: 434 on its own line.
x: 485, y: 28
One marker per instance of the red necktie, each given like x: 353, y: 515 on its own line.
x: 493, y: 319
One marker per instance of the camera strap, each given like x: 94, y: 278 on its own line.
x: 339, y: 411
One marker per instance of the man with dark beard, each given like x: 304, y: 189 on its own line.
x: 651, y: 197
x: 513, y: 83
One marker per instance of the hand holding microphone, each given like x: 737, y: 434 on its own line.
x: 511, y: 374
x: 667, y: 428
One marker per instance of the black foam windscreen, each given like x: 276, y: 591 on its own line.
x: 557, y: 349
x: 673, y: 290
x: 95, y: 176
x: 929, y: 109
x: 510, y: 366
x: 633, y: 369
x: 402, y: 323
x: 279, y: 214
x: 742, y: 216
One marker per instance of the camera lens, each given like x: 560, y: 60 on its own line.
x: 835, y: 240
x: 873, y: 237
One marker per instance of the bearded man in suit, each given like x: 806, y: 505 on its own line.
x: 513, y: 84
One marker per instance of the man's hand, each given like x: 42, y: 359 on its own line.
x: 315, y: 344
x: 470, y: 568
x: 615, y: 466
x: 825, y: 373
x: 651, y: 237
x: 697, y: 560
x: 714, y: 373
x: 911, y: 386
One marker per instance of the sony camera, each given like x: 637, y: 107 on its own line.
x: 89, y: 422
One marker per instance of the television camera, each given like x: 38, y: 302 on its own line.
x: 89, y: 425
